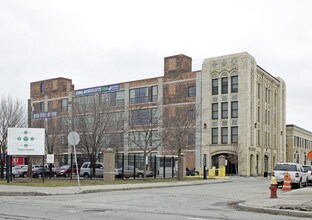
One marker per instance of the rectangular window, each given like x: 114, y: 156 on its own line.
x: 120, y: 98
x: 224, y: 110
x: 64, y: 105
x: 154, y: 95
x: 234, y: 134
x: 214, y: 135
x: 215, y: 111
x: 155, y: 118
x: 42, y: 88
x: 224, y: 85
x: 64, y: 124
x: 215, y: 88
x: 191, y: 91
x: 41, y: 106
x: 155, y: 139
x: 191, y: 139
x: 234, y: 82
x: 191, y: 115
x: 139, y: 95
x: 224, y: 135
x: 139, y: 117
x: 234, y: 109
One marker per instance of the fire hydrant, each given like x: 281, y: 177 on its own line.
x: 273, y: 188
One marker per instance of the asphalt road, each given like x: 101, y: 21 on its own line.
x: 189, y: 203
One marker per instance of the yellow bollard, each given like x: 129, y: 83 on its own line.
x: 219, y: 172
x: 223, y: 171
x: 212, y: 172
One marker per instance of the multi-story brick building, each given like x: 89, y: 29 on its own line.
x: 230, y: 107
x: 299, y: 144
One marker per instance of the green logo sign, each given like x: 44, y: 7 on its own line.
x: 26, y: 139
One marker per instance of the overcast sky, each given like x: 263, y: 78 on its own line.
x: 104, y: 42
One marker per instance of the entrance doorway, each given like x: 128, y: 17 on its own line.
x: 230, y: 168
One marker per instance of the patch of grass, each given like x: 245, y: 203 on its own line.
x: 61, y: 182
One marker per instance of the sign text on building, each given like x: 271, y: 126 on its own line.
x: 97, y: 89
x: 40, y: 115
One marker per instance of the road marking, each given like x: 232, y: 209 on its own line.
x: 196, y: 218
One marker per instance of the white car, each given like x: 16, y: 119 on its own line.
x: 86, y: 170
x: 308, y: 169
x: 298, y: 176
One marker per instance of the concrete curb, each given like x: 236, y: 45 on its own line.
x: 34, y: 193
x: 293, y: 213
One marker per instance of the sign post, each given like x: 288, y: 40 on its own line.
x: 73, y: 139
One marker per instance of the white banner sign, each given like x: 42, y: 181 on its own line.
x: 26, y: 141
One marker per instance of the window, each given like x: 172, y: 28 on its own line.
x: 64, y: 124
x: 41, y: 106
x: 191, y: 115
x: 42, y: 88
x: 234, y: 81
x: 224, y: 85
x: 224, y: 110
x: 234, y: 134
x: 234, y: 109
x: 120, y: 98
x: 85, y: 102
x: 155, y: 138
x: 154, y: 93
x: 224, y: 135
x: 215, y: 111
x: 191, y: 91
x: 191, y: 139
x: 139, y: 95
x: 139, y: 117
x: 215, y: 86
x: 111, y: 99
x: 155, y: 118
x: 64, y: 105
x: 139, y: 138
x: 214, y: 135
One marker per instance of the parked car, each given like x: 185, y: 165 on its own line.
x: 66, y: 170
x: 86, y: 170
x: 308, y: 169
x: 190, y: 172
x: 15, y: 173
x: 39, y: 172
x: 129, y: 172
x: 298, y: 176
x: 23, y: 169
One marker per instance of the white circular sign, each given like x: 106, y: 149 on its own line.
x: 73, y: 138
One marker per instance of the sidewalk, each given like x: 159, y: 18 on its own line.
x: 293, y: 203
x: 297, y: 202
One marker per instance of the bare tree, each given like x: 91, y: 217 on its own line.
x: 92, y: 119
x: 53, y: 131
x: 143, y: 128
x: 12, y: 114
x: 180, y: 128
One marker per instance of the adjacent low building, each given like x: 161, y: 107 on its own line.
x: 231, y: 108
x: 299, y: 144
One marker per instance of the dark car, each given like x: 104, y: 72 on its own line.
x: 66, y: 170
x: 190, y: 172
x: 38, y: 173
